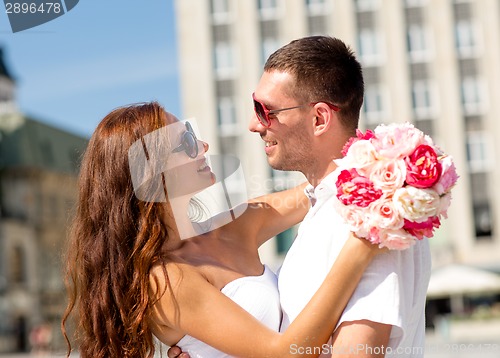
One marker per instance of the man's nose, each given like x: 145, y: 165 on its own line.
x: 254, y: 125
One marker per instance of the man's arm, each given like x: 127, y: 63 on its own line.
x: 361, y: 339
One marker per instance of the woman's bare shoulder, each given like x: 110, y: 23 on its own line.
x: 170, y: 285
x: 173, y: 276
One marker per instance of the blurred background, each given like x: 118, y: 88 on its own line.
x: 435, y: 63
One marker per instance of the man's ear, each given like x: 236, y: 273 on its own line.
x: 323, y: 118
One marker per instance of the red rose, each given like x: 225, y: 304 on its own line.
x: 354, y: 189
x: 423, y: 229
x: 422, y: 167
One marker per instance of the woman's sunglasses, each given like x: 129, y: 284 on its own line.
x: 263, y: 113
x: 189, y: 142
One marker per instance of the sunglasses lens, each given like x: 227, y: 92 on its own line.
x: 190, y: 145
x: 261, y: 114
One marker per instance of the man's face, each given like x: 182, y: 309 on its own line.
x: 288, y: 140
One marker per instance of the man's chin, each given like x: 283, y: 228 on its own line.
x: 274, y: 164
x: 280, y: 166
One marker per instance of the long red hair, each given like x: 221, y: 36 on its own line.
x: 115, y: 239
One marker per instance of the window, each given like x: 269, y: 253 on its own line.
x: 317, y: 25
x: 269, y: 45
x: 423, y: 99
x: 267, y: 4
x: 317, y: 7
x: 415, y: 3
x: 268, y: 9
x: 473, y: 96
x: 370, y: 48
x: 482, y: 220
x: 478, y: 152
x: 17, y: 267
x: 220, y: 11
x: 220, y: 7
x: 226, y: 114
x: 418, y: 44
x: 47, y: 152
x: 467, y: 39
x: 426, y: 126
x: 224, y: 60
x: 367, y: 5
x: 374, y: 106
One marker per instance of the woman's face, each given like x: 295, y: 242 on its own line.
x: 169, y: 159
x: 187, y: 170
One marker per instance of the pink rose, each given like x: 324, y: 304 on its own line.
x: 448, y: 177
x: 354, y: 189
x: 373, y: 236
x: 359, y: 136
x: 397, y: 140
x: 354, y: 217
x: 388, y: 175
x: 396, y: 239
x: 383, y: 215
x: 422, y: 167
x: 423, y: 229
x: 444, y: 204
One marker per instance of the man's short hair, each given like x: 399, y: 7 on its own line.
x: 324, y: 69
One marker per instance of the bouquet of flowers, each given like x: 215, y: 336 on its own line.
x: 394, y: 185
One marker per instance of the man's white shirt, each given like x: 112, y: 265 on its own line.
x: 393, y: 287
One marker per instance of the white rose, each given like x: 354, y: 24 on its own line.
x: 416, y: 204
x: 361, y: 154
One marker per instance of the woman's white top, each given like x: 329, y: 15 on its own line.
x: 258, y: 295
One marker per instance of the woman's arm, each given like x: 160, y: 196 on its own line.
x: 197, y: 308
x: 270, y: 214
x: 280, y: 211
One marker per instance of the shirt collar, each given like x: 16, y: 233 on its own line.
x: 309, y: 191
x: 324, y: 190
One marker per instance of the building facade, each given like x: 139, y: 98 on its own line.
x: 435, y: 63
x: 38, y: 188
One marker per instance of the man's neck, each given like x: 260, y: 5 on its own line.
x: 321, y: 167
x: 315, y: 177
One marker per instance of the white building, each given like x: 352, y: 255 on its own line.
x: 435, y: 63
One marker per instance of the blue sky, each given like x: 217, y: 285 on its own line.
x: 75, y: 69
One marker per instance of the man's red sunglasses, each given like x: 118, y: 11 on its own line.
x: 263, y: 113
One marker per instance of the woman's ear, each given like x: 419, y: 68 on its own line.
x: 323, y: 118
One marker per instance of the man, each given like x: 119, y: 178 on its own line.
x: 307, y: 105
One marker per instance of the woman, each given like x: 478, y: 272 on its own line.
x: 137, y: 266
